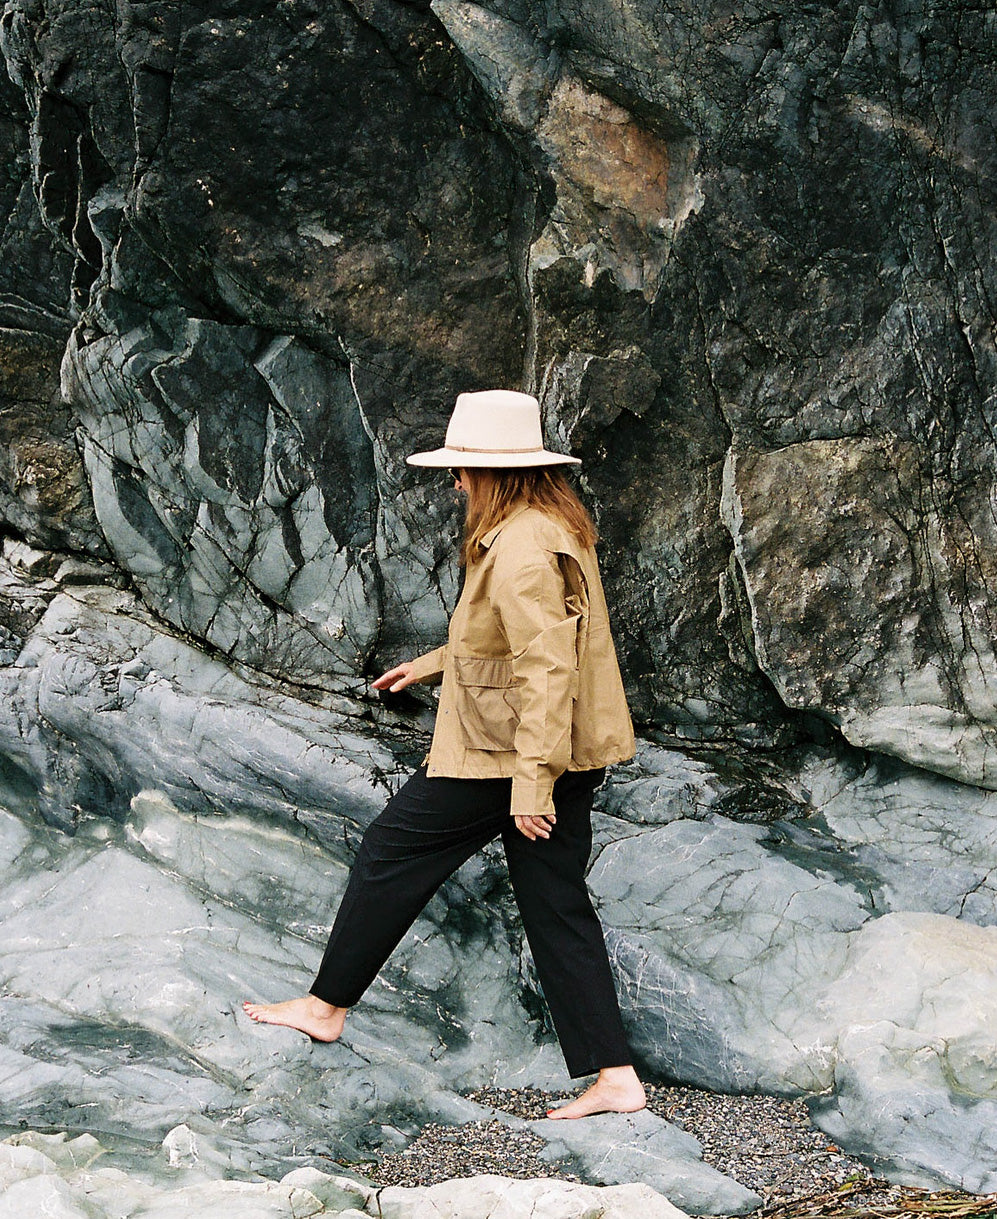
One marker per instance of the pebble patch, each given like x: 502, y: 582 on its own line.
x: 765, y: 1143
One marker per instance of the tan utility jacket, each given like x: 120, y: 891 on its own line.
x: 531, y: 685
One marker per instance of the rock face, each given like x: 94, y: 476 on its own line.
x: 263, y: 332
x: 44, y: 495
x: 741, y: 257
x: 249, y: 255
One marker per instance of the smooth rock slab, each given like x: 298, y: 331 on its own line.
x: 770, y: 955
x: 912, y: 840
x: 235, y: 1200
x: 43, y: 1195
x: 643, y: 1147
x: 102, y: 702
x: 915, y: 1008
x: 490, y: 1197
x: 719, y: 941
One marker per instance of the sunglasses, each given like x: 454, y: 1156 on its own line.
x: 454, y: 474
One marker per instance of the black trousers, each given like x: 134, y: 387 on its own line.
x: 426, y: 831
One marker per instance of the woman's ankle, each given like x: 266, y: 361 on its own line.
x: 321, y: 1007
x: 624, y: 1079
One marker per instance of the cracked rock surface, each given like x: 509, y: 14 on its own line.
x: 742, y: 256
x: 176, y: 838
x: 249, y: 254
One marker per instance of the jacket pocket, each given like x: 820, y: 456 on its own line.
x: 487, y: 702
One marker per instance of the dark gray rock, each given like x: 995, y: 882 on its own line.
x: 363, y: 316
x: 44, y: 494
x: 35, y: 266
x: 800, y: 285
x: 709, y: 239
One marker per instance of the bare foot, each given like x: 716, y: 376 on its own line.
x: 309, y: 1014
x: 617, y: 1090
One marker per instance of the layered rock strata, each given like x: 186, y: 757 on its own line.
x: 741, y: 256
x: 814, y: 927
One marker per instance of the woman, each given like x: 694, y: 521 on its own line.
x: 531, y: 712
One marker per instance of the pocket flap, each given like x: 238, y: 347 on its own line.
x: 492, y: 671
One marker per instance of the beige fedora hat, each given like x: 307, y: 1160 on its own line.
x: 493, y: 427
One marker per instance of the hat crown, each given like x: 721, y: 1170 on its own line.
x: 495, y: 421
x: 498, y: 428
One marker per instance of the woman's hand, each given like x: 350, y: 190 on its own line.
x: 395, y: 679
x: 535, y: 827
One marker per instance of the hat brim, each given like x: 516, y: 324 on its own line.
x: 440, y: 459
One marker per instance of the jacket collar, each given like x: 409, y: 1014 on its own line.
x: 493, y: 533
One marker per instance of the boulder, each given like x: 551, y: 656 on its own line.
x: 500, y: 1198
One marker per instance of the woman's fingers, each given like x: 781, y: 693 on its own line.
x: 394, y: 679
x: 535, y: 827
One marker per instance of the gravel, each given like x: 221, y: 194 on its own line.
x: 766, y: 1143
x: 442, y: 1152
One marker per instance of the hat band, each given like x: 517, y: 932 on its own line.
x: 460, y: 448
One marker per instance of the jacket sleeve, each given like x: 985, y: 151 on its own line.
x: 428, y: 667
x: 541, y: 632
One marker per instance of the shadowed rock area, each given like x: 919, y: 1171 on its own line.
x: 249, y: 254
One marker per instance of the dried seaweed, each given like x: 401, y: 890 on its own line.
x: 878, y: 1199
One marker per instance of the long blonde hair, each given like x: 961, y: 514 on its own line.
x: 492, y: 493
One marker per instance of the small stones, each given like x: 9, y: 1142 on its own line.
x: 531, y: 1104
x: 442, y: 1152
x: 767, y: 1143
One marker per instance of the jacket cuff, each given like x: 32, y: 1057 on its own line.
x: 428, y: 668
x: 532, y: 797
